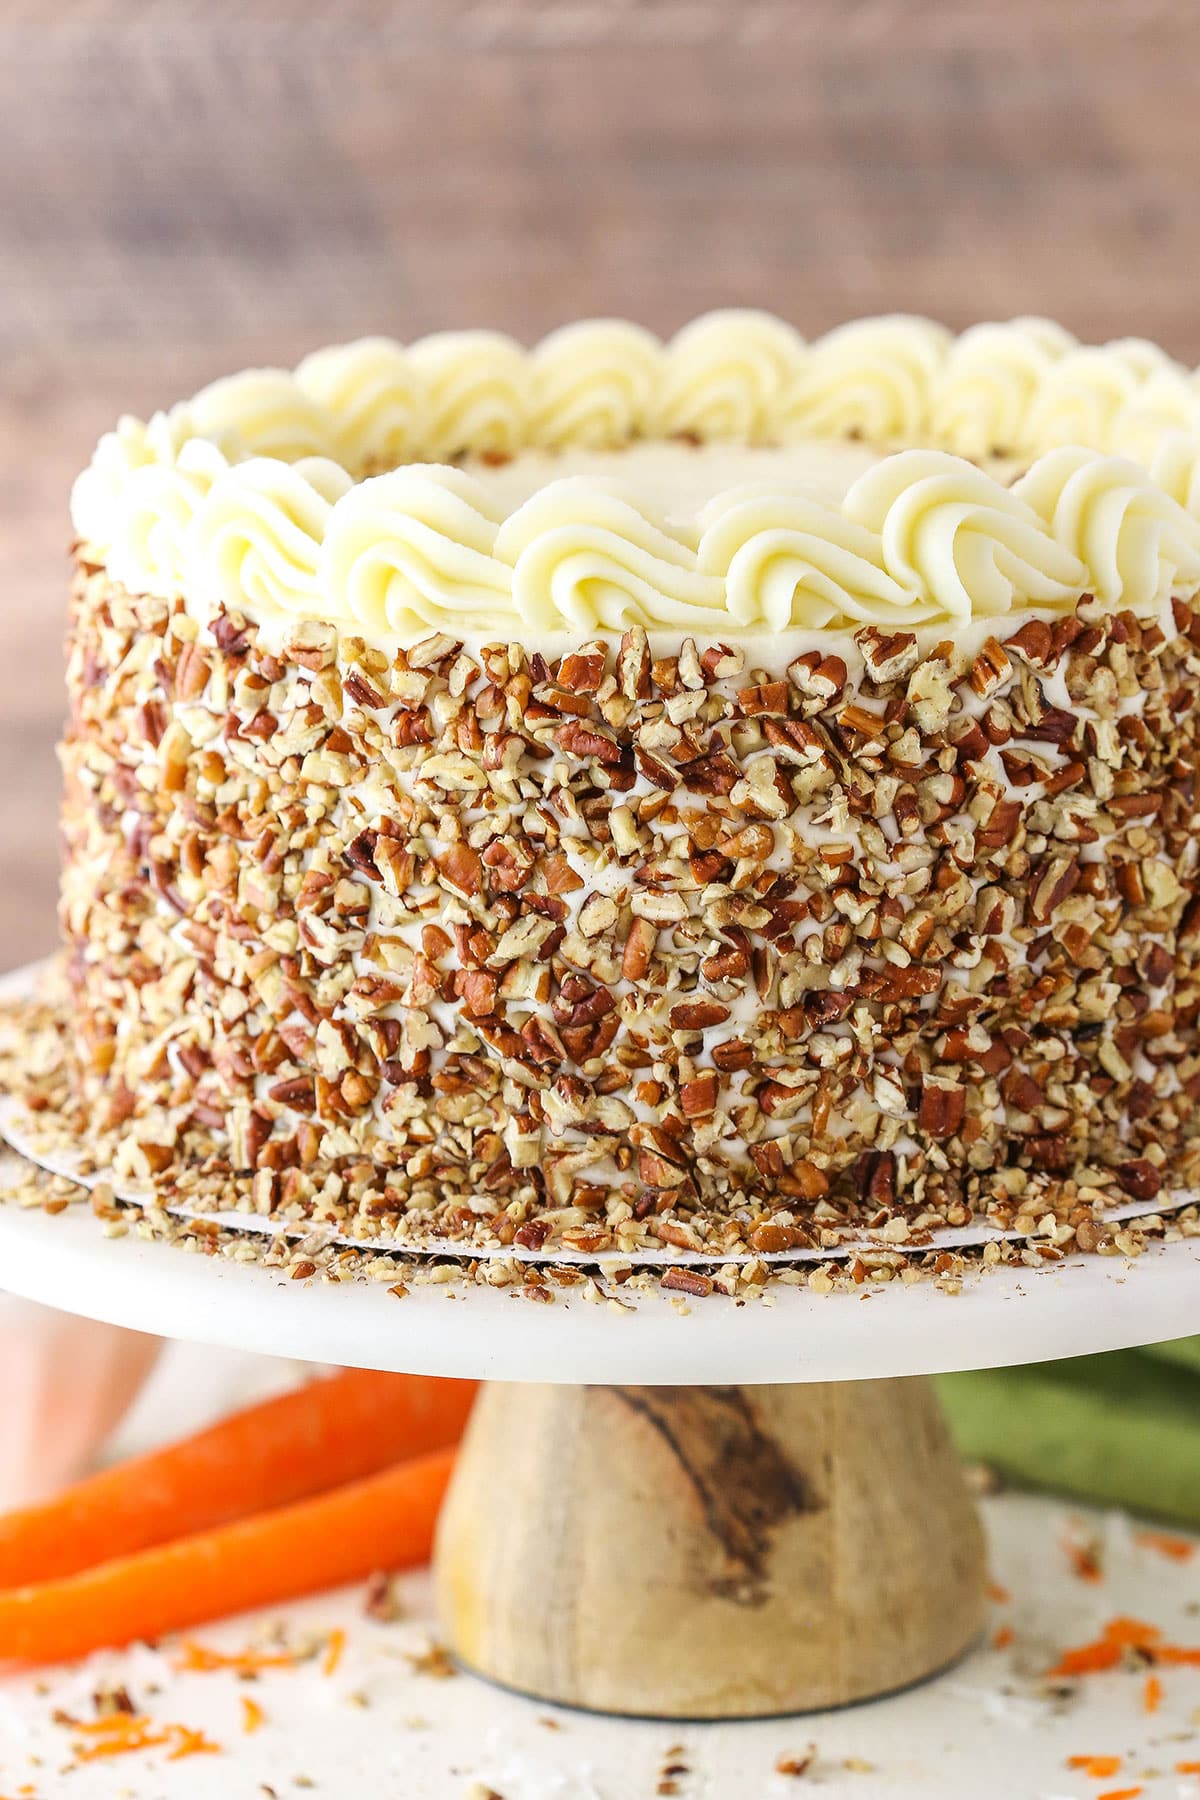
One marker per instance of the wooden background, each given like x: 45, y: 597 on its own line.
x: 187, y: 186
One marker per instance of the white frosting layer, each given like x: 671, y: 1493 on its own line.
x: 676, y: 481
x: 778, y: 518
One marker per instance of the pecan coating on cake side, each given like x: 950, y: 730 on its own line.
x: 615, y: 946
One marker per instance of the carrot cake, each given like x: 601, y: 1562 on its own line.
x: 621, y: 791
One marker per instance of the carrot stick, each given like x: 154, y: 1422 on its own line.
x: 384, y: 1522
x: 337, y: 1429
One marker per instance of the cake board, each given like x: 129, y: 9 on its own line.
x: 731, y: 1510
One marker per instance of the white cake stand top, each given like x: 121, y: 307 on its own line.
x: 1081, y: 1305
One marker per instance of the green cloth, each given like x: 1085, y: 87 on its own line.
x: 1121, y: 1429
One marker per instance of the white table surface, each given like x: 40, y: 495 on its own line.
x: 992, y: 1728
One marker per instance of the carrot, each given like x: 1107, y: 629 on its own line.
x: 383, y: 1522
x: 337, y: 1429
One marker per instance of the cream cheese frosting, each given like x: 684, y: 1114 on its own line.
x: 733, y: 481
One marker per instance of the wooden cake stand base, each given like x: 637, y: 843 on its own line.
x: 709, y: 1552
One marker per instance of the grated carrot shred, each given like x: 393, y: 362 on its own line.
x: 1003, y: 1638
x: 1087, y: 1659
x: 117, y: 1724
x: 1187, y: 1768
x: 334, y: 1651
x: 1121, y: 1794
x: 1152, y: 1694
x: 999, y: 1596
x: 1119, y: 1635
x: 1179, y: 1549
x: 199, y: 1659
x: 121, y: 1734
x: 1098, y: 1767
x: 191, y: 1743
x: 1134, y: 1632
x: 253, y: 1716
x: 122, y: 1746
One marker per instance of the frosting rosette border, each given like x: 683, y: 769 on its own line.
x: 331, y: 492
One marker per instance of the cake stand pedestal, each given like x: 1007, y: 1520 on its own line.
x: 748, y: 1509
x: 709, y: 1552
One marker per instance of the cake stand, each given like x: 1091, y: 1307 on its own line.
x: 727, y: 1510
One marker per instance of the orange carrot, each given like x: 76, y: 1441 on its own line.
x: 337, y: 1429
x: 384, y: 1522
x: 1098, y: 1767
x: 1152, y: 1694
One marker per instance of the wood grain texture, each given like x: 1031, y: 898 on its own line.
x: 709, y: 1552
x: 186, y: 188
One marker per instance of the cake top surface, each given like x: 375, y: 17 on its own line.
x: 733, y: 482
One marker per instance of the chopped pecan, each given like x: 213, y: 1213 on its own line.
x: 191, y: 673
x: 653, y: 769
x: 1001, y: 827
x: 715, y: 774
x: 460, y: 867
x: 875, y: 1177
x: 943, y: 1107
x: 688, y: 1281
x: 478, y: 990
x: 887, y: 655
x: 770, y: 697
x: 990, y: 668
x: 861, y: 720
x: 1054, y: 727
x: 582, y: 671
x: 1033, y: 641
x: 639, y: 949
x: 698, y: 1015
x: 363, y: 691
x: 1139, y: 1178
x: 633, y: 664
x: 360, y: 853
x: 698, y: 1097
x: 581, y: 740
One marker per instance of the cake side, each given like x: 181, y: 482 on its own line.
x: 710, y: 942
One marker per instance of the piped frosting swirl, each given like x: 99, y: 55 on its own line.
x: 261, y: 494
